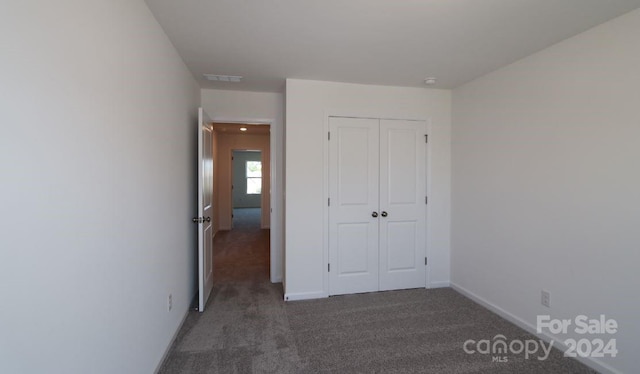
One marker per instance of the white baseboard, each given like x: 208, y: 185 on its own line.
x: 276, y: 279
x: 557, y: 343
x: 173, y: 339
x: 305, y: 296
x: 439, y: 284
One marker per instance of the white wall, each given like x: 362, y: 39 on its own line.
x: 229, y: 106
x: 307, y: 105
x: 546, y: 184
x: 97, y: 160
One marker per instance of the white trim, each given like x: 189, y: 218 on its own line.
x: 370, y: 115
x: 557, y: 343
x: 305, y: 296
x: 167, y: 350
x: 276, y: 254
x: 244, y: 120
x: 325, y: 207
x: 325, y: 187
x: 427, y: 175
x: 439, y: 284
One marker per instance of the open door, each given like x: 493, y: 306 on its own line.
x: 205, y: 208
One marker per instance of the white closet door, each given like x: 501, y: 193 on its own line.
x: 353, y: 181
x: 402, y: 204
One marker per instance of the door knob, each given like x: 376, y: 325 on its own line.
x: 208, y: 219
x: 374, y: 214
x: 197, y: 219
x: 384, y: 214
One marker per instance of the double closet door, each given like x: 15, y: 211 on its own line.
x: 377, y: 205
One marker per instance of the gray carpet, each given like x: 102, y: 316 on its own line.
x: 248, y: 329
x: 246, y: 218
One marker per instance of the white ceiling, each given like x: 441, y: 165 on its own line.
x: 384, y: 42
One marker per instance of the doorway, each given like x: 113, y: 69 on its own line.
x: 242, y: 192
x: 246, y: 189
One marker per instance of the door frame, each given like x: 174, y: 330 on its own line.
x: 275, y: 253
x: 326, y: 188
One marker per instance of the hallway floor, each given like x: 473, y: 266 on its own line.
x: 246, y: 218
x: 241, y: 254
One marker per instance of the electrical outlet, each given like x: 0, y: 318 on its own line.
x: 170, y: 302
x: 545, y: 298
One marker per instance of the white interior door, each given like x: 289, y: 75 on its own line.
x: 402, y: 204
x: 353, y: 227
x: 205, y: 208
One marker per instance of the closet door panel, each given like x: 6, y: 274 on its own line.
x: 402, y: 204
x: 353, y: 193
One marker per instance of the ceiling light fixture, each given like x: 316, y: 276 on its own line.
x: 223, y: 78
x: 243, y: 129
x: 430, y: 81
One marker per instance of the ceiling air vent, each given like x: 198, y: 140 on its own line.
x: 223, y: 78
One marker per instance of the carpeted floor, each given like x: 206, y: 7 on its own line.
x: 247, y: 328
x: 246, y: 218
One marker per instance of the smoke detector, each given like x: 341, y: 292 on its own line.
x: 430, y: 81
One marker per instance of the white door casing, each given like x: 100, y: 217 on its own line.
x: 377, y: 212
x: 205, y: 208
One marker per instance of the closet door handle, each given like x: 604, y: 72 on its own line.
x: 374, y: 214
x: 384, y: 214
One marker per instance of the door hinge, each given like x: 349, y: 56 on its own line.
x: 328, y: 267
x: 329, y: 135
x: 426, y: 138
x: 425, y: 261
x: 328, y: 201
x: 426, y: 200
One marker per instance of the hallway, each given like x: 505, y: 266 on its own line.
x: 242, y: 254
